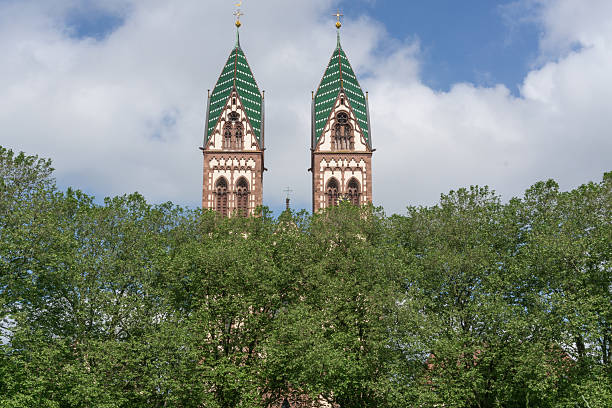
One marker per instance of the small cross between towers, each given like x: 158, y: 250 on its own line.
x: 288, y: 191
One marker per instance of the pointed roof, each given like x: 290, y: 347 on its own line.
x: 236, y: 74
x: 339, y: 76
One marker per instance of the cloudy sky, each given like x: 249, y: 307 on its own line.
x: 502, y: 93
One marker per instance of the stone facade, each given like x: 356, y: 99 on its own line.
x: 341, y: 158
x: 233, y: 148
x: 233, y: 160
x: 233, y: 145
x: 341, y: 162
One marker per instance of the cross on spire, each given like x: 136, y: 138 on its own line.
x: 338, y: 15
x: 238, y: 13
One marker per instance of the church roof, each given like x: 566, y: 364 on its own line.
x: 236, y: 74
x: 339, y: 76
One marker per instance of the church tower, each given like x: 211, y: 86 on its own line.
x: 341, y: 163
x: 233, y: 145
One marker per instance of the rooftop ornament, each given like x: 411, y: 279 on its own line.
x: 338, y: 15
x: 238, y: 13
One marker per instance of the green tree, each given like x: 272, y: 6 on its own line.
x: 467, y: 338
x: 334, y: 341
x: 231, y: 277
x: 567, y: 257
x: 25, y: 184
x: 468, y: 303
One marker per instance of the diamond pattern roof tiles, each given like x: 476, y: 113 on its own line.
x: 339, y: 76
x: 236, y: 73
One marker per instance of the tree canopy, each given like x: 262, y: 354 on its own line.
x: 472, y: 302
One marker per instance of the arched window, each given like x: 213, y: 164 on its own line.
x: 227, y: 136
x: 221, y: 196
x: 242, y: 197
x: 343, y: 132
x: 353, y: 191
x: 239, y: 135
x: 233, y: 132
x: 234, y: 116
x: 331, y: 192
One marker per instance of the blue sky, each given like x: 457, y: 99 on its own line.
x: 498, y: 93
x: 89, y: 20
x: 478, y: 41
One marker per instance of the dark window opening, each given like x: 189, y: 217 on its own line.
x: 221, y: 197
x: 233, y: 132
x: 353, y: 192
x: 343, y: 133
x: 238, y: 134
x: 242, y: 197
x: 227, y: 136
x: 332, y: 193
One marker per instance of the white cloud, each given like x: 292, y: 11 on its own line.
x: 558, y: 127
x: 570, y: 22
x: 125, y: 113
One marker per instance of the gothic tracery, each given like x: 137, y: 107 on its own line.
x: 238, y: 141
x: 242, y: 197
x: 341, y: 139
x: 353, y: 192
x: 343, y: 133
x: 332, y: 193
x: 221, y: 204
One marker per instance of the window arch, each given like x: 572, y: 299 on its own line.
x: 238, y: 133
x: 233, y: 132
x: 234, y: 116
x: 227, y: 136
x: 331, y: 192
x: 242, y: 197
x: 221, y: 196
x: 343, y: 132
x: 353, y: 191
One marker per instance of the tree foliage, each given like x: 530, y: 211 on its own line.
x: 472, y: 302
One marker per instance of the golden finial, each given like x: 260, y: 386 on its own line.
x: 238, y: 13
x: 338, y: 23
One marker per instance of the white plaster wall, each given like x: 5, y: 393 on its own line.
x: 232, y: 169
x: 216, y: 139
x: 325, y: 143
x: 343, y: 170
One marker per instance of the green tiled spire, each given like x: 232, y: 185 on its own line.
x: 339, y: 76
x: 236, y: 74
